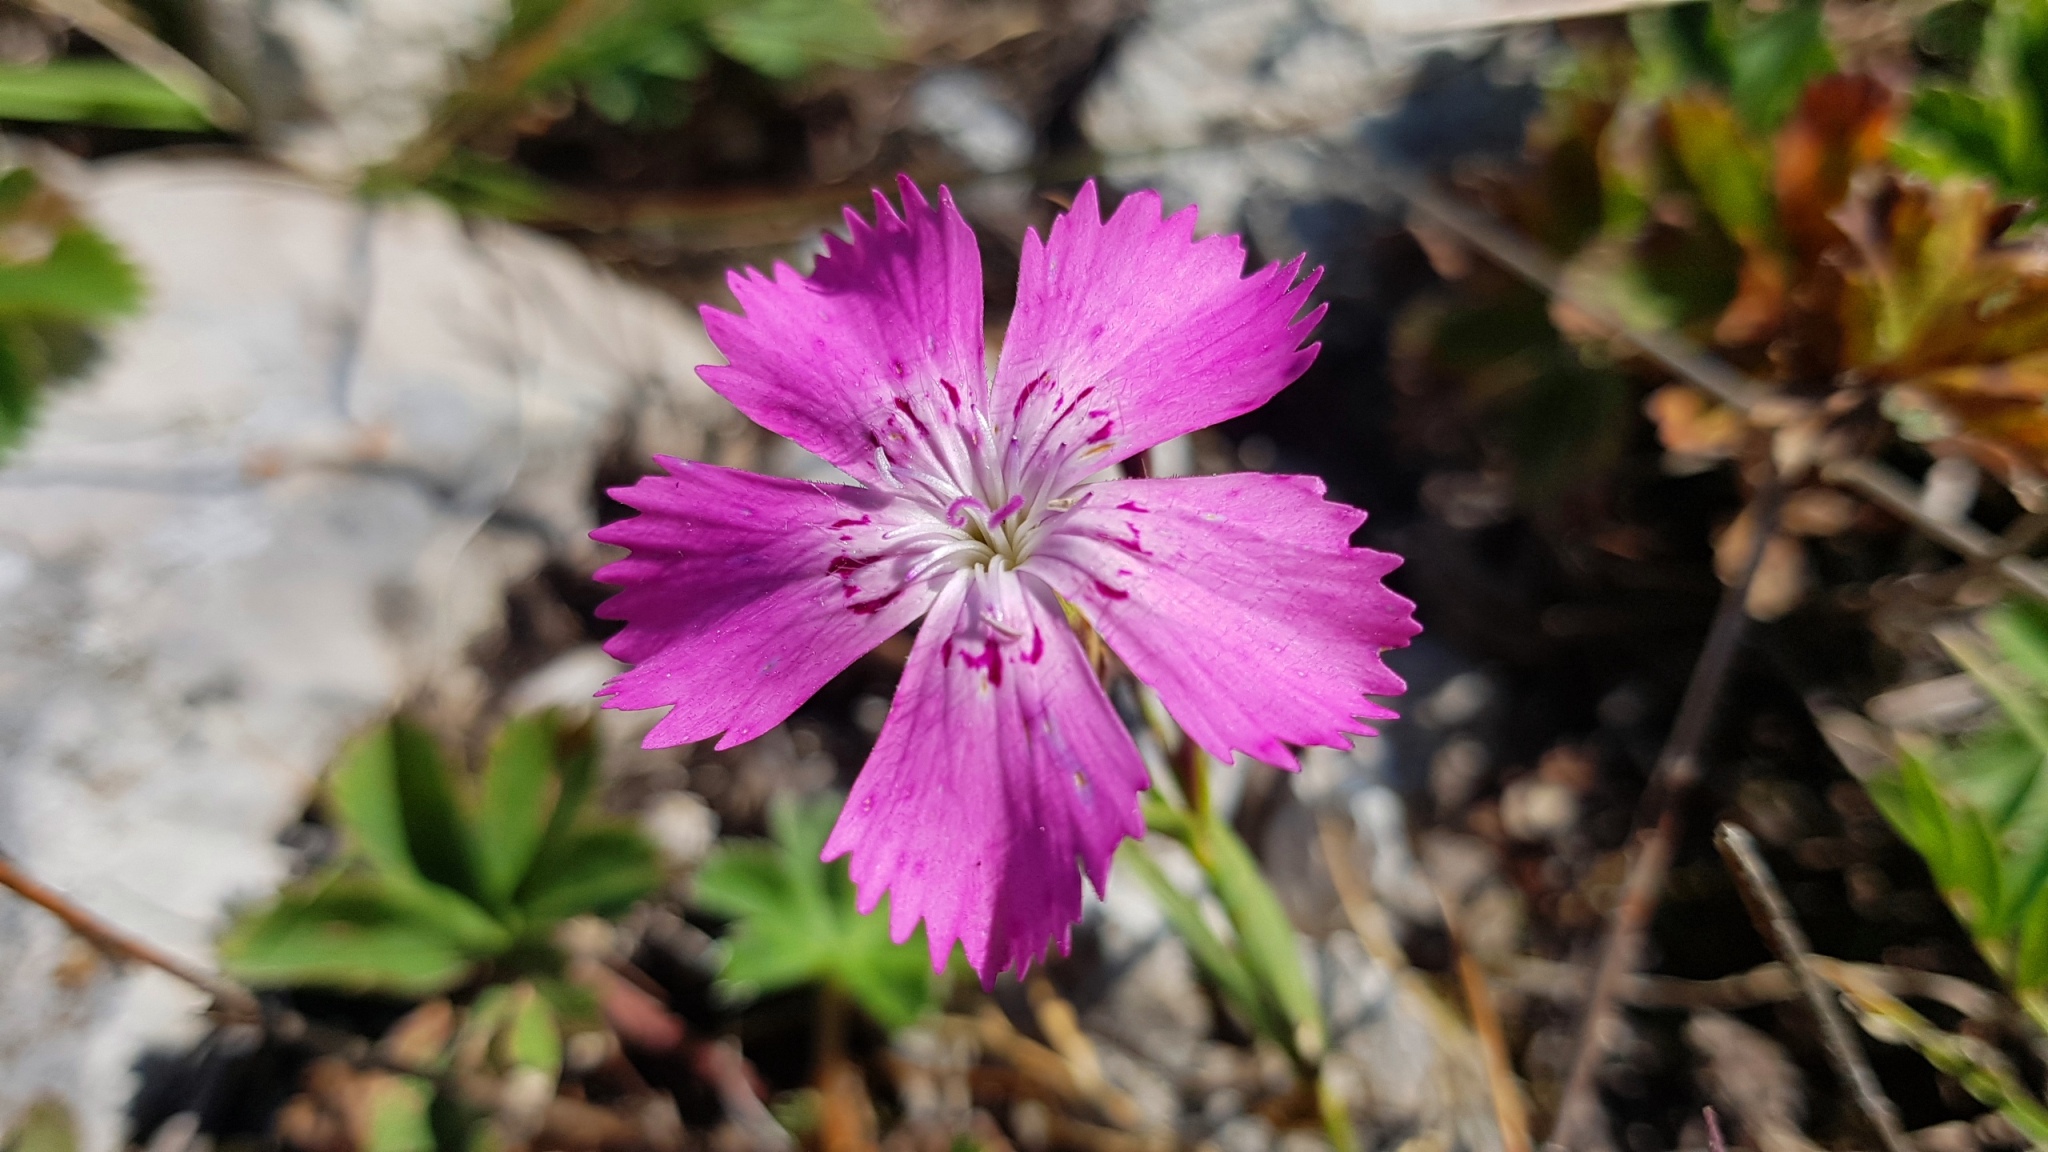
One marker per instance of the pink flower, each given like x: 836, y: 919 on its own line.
x: 1237, y: 598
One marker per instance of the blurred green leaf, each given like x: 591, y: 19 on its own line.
x: 2020, y: 629
x: 599, y: 870
x: 636, y: 67
x: 84, y: 277
x: 479, y: 185
x: 1761, y: 59
x: 1994, y: 127
x: 58, y: 278
x: 784, y: 38
x: 1265, y: 936
x: 1726, y: 165
x: 1771, y: 59
x: 795, y: 920
x: 398, y: 1108
x: 1975, y: 807
x: 95, y: 92
x: 492, y: 892
x: 512, y: 814
x: 363, y: 802
x: 532, y: 1037
x: 358, y: 934
x: 436, y: 834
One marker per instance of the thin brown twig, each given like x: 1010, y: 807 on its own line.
x: 1765, y: 984
x: 1354, y: 893
x: 1049, y: 1070
x: 230, y: 996
x: 1875, y: 482
x: 1369, y: 922
x: 1772, y: 914
x: 1677, y: 770
x: 1509, y: 1110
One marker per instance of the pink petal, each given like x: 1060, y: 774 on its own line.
x: 744, y: 594
x: 1240, y: 599
x: 884, y: 325
x: 1001, y: 766
x: 1135, y: 317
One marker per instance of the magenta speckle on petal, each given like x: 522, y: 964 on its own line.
x: 870, y: 607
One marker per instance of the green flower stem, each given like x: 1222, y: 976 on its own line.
x: 1259, y: 972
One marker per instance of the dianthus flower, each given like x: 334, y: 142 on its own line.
x: 1238, y: 598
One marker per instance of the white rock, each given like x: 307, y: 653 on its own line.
x: 682, y: 826
x: 339, y: 85
x: 291, y: 495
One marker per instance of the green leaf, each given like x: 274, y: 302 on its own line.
x: 1265, y: 935
x: 763, y: 955
x: 363, y: 802
x: 1952, y: 132
x: 95, y: 92
x: 532, y: 1037
x: 1972, y: 882
x: 795, y: 921
x: 84, y: 277
x: 1726, y: 165
x: 436, y: 834
x: 2030, y: 964
x: 2020, y: 629
x: 1771, y: 60
x: 894, y: 984
x: 476, y: 930
x: 576, y: 766
x: 1678, y: 46
x: 601, y: 870
x: 19, y: 392
x: 744, y: 878
x: 2015, y: 64
x: 1992, y: 770
x: 1925, y: 823
x: 357, y: 934
x: 398, y: 1108
x: 478, y: 185
x: 513, y: 814
x: 784, y: 38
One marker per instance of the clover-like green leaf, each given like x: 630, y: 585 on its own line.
x: 795, y: 921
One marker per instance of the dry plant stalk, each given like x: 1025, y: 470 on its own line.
x: 133, y: 44
x: 1772, y: 914
x: 228, y: 995
x: 1677, y: 770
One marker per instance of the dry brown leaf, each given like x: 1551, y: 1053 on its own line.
x: 1690, y: 424
x: 1781, y: 578
x: 1818, y: 512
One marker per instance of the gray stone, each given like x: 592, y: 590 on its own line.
x: 292, y: 495
x: 339, y: 85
